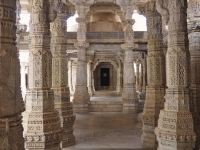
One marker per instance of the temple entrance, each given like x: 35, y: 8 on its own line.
x: 105, y: 77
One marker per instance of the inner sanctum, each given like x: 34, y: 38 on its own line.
x: 99, y: 74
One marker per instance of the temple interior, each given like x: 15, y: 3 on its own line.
x: 99, y: 74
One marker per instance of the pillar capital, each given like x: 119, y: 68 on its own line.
x: 81, y: 45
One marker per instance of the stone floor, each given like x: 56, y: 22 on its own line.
x: 107, y: 130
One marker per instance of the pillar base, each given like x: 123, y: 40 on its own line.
x: 148, y: 137
x: 13, y: 138
x: 50, y: 148
x: 142, y: 98
x: 81, y: 108
x: 66, y: 142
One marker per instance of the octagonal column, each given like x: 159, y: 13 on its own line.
x: 60, y: 75
x: 10, y: 121
x: 194, y: 39
x: 155, y: 74
x: 40, y: 120
x: 178, y: 120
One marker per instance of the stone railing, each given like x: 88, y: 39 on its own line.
x: 107, y: 35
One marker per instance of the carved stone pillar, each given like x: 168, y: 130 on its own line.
x: 60, y: 75
x: 81, y: 96
x: 20, y: 28
x: 155, y: 74
x: 141, y: 77
x: 40, y: 120
x: 129, y: 95
x: 137, y: 76
x: 144, y: 75
x: 178, y: 120
x: 194, y: 39
x: 10, y: 120
x: 70, y: 77
x: 90, y: 85
x: 119, y: 77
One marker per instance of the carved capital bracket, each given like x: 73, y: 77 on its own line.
x: 162, y: 8
x: 81, y: 45
x: 127, y: 7
x: 193, y: 13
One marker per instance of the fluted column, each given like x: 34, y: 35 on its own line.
x: 40, y: 121
x: 178, y: 120
x: 60, y: 75
x: 194, y: 39
x: 10, y: 120
x: 155, y: 74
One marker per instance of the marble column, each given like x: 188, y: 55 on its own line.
x: 119, y: 77
x: 40, y: 120
x: 194, y: 47
x: 20, y: 28
x: 10, y: 121
x: 60, y: 75
x: 70, y: 77
x: 81, y: 98
x: 144, y: 75
x: 141, y: 77
x: 90, y: 72
x: 178, y: 121
x: 137, y: 76
x: 155, y: 74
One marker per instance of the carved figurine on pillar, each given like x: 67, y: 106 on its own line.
x: 178, y: 122
x: 60, y: 73
x: 155, y: 72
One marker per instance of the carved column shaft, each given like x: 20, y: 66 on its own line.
x: 177, y: 121
x: 155, y: 75
x: 40, y: 120
x: 10, y: 120
x: 81, y: 95
x: 60, y: 76
x: 194, y: 39
x: 70, y: 77
x: 137, y: 76
x: 130, y: 102
x: 90, y: 72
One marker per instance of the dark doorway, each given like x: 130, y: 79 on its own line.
x: 105, y: 77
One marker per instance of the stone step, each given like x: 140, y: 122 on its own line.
x: 105, y: 106
x: 114, y: 149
